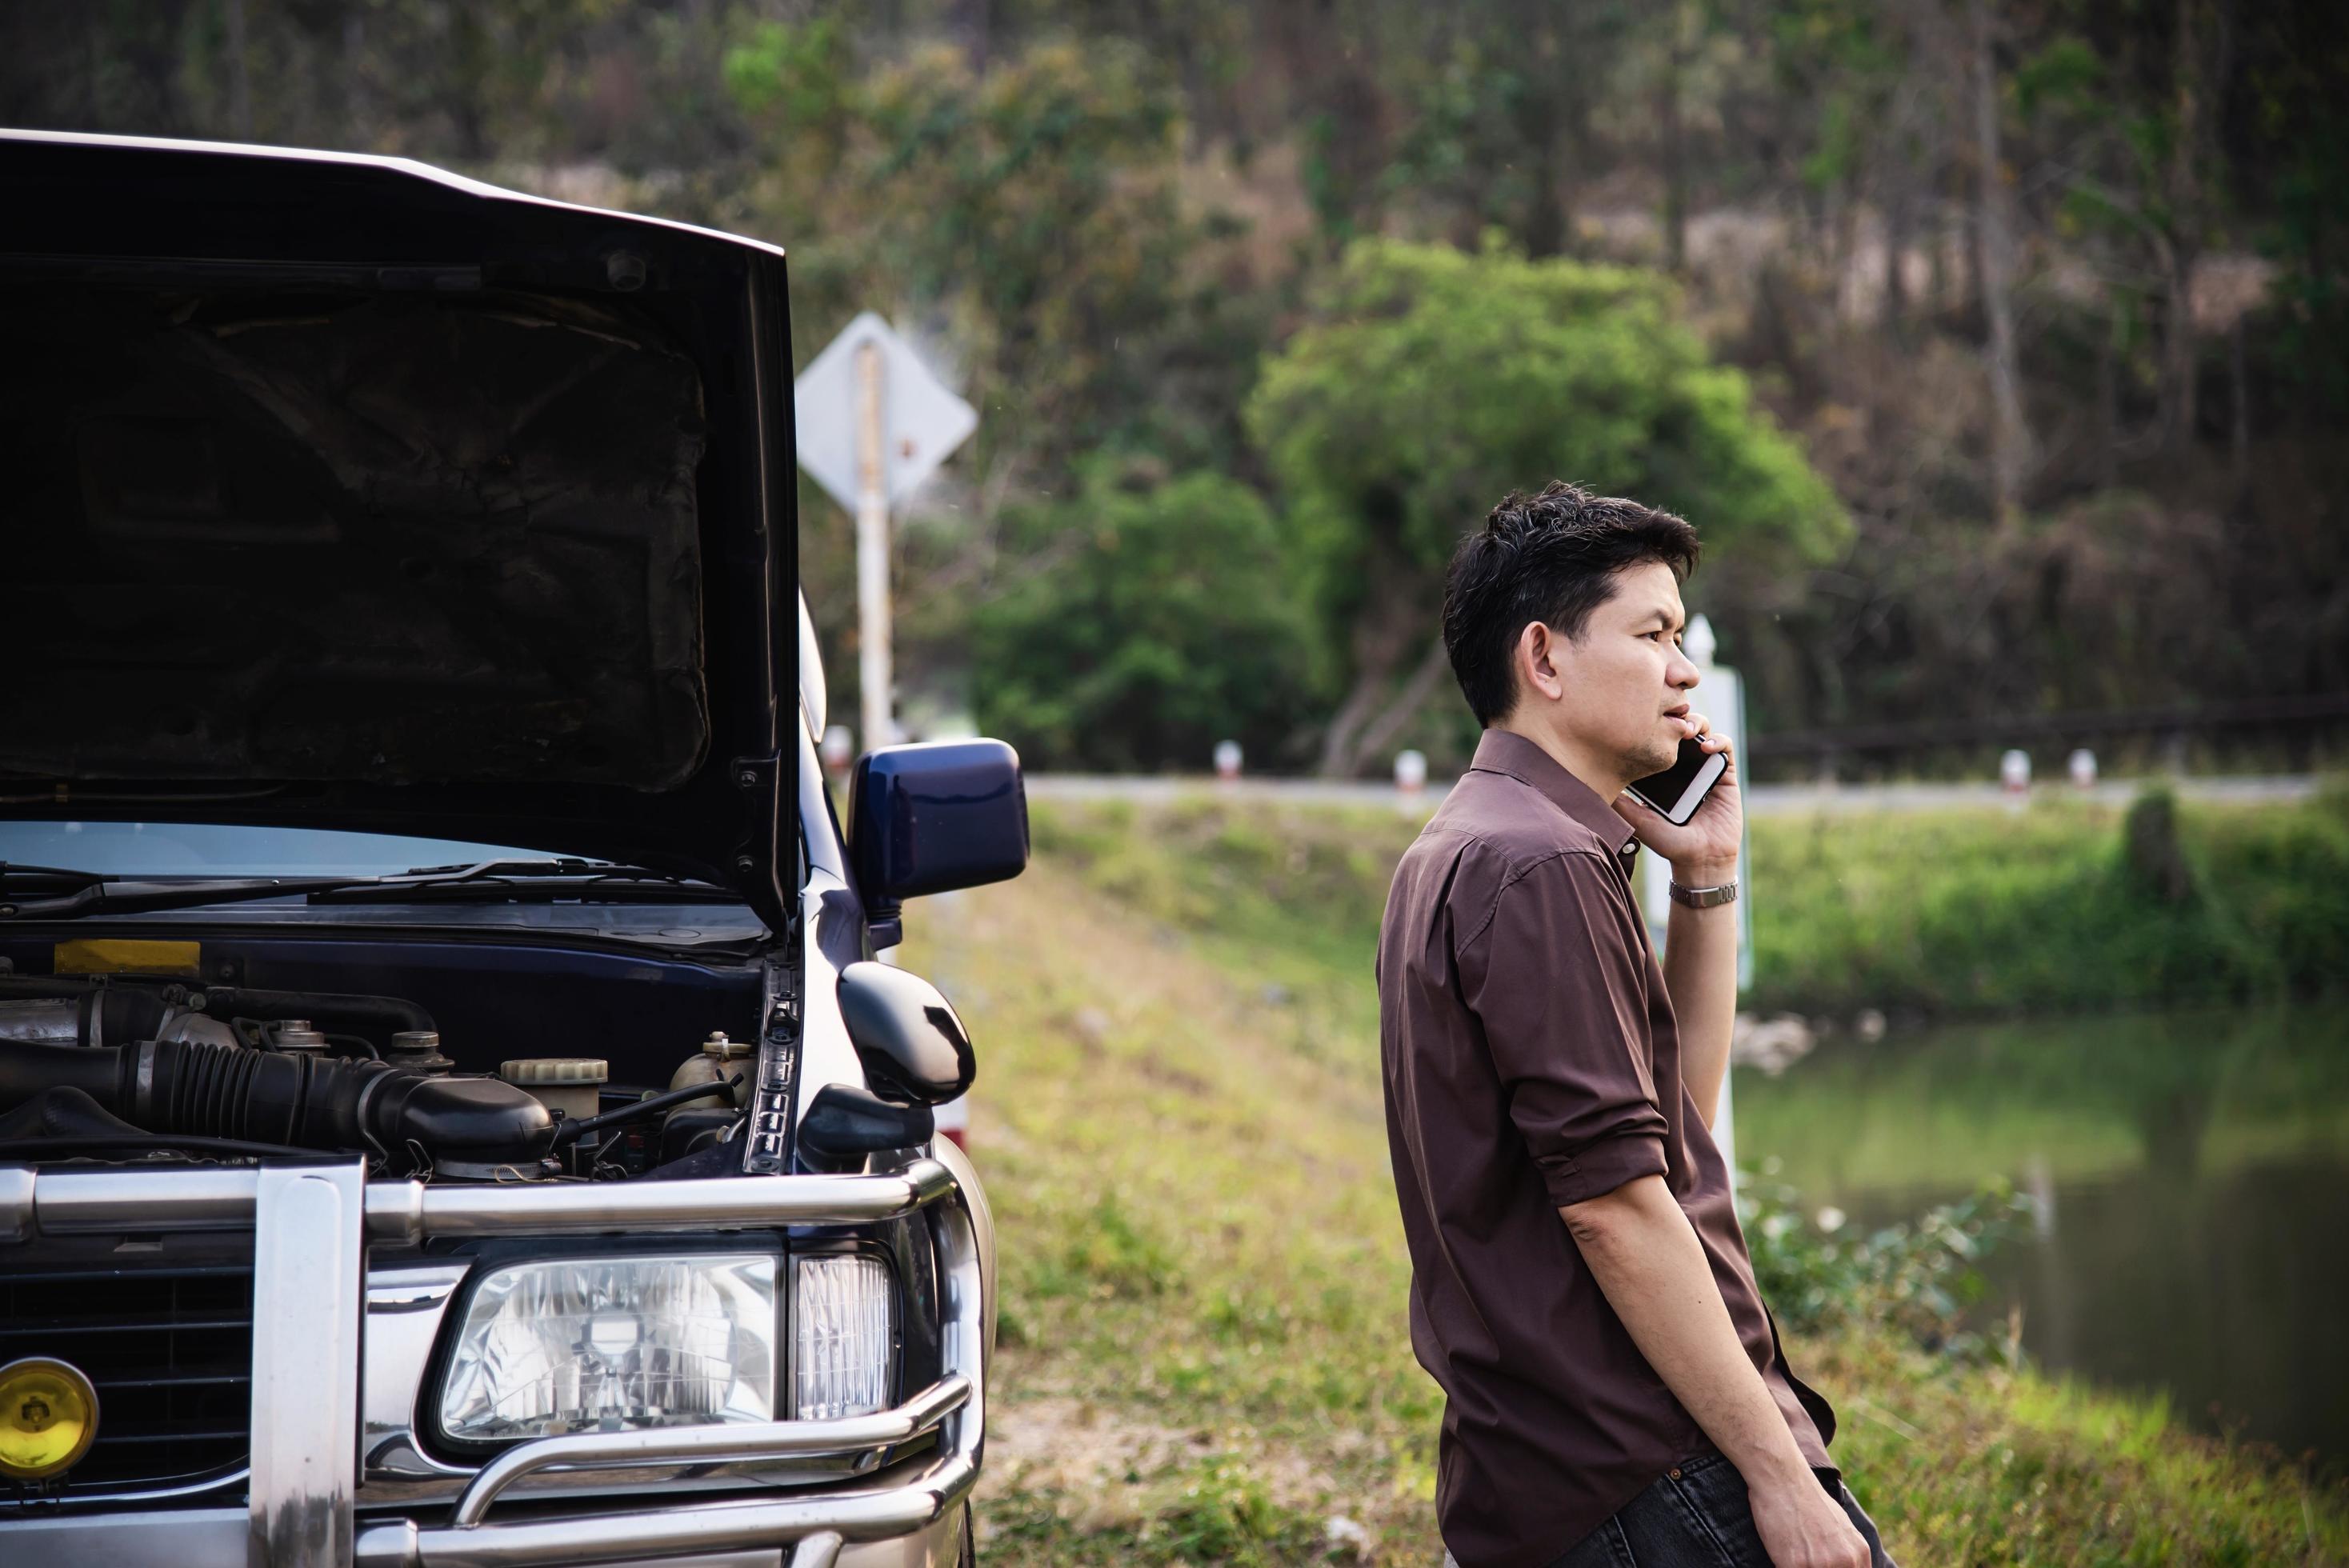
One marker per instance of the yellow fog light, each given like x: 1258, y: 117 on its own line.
x: 48, y: 1414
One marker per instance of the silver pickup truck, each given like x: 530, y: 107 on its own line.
x: 450, y: 1108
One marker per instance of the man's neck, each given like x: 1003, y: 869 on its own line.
x: 1603, y: 780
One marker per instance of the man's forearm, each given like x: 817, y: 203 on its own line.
x: 1647, y: 1259
x: 1700, y: 972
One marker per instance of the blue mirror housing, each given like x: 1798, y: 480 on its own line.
x: 932, y: 817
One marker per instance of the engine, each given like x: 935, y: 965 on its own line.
x: 91, y: 1065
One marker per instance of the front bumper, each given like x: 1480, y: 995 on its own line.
x: 312, y: 1225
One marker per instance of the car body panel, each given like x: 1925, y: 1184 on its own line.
x: 380, y: 499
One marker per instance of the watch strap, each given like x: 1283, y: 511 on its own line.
x: 1702, y: 897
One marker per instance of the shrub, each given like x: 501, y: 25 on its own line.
x: 1917, y: 1277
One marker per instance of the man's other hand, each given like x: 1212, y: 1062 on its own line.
x: 1802, y: 1527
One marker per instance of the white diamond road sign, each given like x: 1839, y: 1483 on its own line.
x: 922, y: 422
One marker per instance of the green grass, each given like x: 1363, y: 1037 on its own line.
x: 1990, y: 912
x: 1949, y: 914
x: 1204, y: 1352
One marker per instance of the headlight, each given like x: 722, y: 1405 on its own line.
x: 843, y: 1314
x: 601, y: 1345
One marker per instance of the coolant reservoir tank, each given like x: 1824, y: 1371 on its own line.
x: 571, y: 1085
x: 718, y: 1059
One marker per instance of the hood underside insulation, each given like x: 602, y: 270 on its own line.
x: 279, y: 534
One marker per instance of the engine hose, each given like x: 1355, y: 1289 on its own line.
x: 208, y: 1090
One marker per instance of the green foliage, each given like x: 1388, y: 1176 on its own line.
x: 1992, y: 912
x: 1226, y: 1516
x: 1916, y: 1278
x: 1152, y: 619
x: 1430, y: 382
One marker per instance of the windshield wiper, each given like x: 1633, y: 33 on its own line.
x: 531, y: 882
x: 52, y: 892
x: 97, y: 892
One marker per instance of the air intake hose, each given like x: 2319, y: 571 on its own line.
x: 270, y: 1096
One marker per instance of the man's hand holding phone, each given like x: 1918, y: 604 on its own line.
x: 1703, y: 850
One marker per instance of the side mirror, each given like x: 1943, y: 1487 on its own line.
x: 931, y: 816
x: 844, y: 1124
x: 913, y: 1046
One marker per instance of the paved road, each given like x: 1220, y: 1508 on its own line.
x: 1762, y: 799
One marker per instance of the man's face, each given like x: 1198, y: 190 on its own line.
x: 1623, y: 681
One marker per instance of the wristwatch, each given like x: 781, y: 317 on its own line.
x: 1702, y: 897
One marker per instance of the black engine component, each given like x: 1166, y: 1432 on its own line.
x: 62, y: 1113
x: 466, y: 1126
x: 91, y: 1012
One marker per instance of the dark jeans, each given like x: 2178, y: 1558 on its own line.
x: 1695, y: 1516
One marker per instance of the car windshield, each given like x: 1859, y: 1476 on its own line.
x: 197, y: 849
x: 208, y: 851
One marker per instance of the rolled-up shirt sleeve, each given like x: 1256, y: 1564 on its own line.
x: 1555, y: 980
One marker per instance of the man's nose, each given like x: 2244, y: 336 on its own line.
x: 1681, y: 672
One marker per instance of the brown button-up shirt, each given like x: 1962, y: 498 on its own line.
x: 1532, y: 1062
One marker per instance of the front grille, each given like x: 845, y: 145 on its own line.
x: 169, y: 1350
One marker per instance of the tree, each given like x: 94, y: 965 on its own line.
x: 1155, y: 617
x: 1994, y: 227
x: 1432, y: 381
x: 1502, y: 99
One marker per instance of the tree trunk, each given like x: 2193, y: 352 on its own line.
x: 1896, y: 253
x: 1994, y: 229
x: 2183, y: 196
x: 239, y: 81
x: 1387, y: 626
x: 1381, y: 731
x: 2109, y: 411
x: 2239, y: 444
x: 970, y: 26
x: 1668, y: 113
x: 359, y: 123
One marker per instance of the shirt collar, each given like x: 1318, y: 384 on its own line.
x: 1505, y: 751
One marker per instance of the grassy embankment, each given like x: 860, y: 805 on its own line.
x: 2049, y: 909
x: 1204, y: 1356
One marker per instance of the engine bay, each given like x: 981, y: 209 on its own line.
x: 121, y: 1065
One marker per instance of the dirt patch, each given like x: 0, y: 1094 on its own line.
x: 1108, y: 1459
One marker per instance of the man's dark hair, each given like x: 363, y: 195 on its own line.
x: 1551, y: 558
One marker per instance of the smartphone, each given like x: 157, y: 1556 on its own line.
x: 1679, y: 790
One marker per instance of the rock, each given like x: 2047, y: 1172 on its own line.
x: 1275, y: 994
x: 1344, y: 1538
x: 1868, y: 1025
x: 1093, y: 1026
x: 1773, y: 1045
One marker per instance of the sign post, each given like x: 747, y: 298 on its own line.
x: 873, y: 421
x: 873, y: 630
x: 1721, y: 697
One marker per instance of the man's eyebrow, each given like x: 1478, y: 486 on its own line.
x: 1662, y: 612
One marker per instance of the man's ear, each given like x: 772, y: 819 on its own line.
x: 1536, y: 661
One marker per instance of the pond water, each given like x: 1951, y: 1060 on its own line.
x: 2192, y: 1172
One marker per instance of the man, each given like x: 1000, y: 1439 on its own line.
x: 1615, y: 1391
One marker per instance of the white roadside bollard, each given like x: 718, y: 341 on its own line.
x: 2014, y: 777
x: 1410, y: 771
x: 2081, y: 766
x: 1227, y: 761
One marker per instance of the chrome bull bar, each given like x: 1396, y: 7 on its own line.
x: 312, y: 1220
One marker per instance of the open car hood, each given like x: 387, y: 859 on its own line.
x: 345, y: 492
